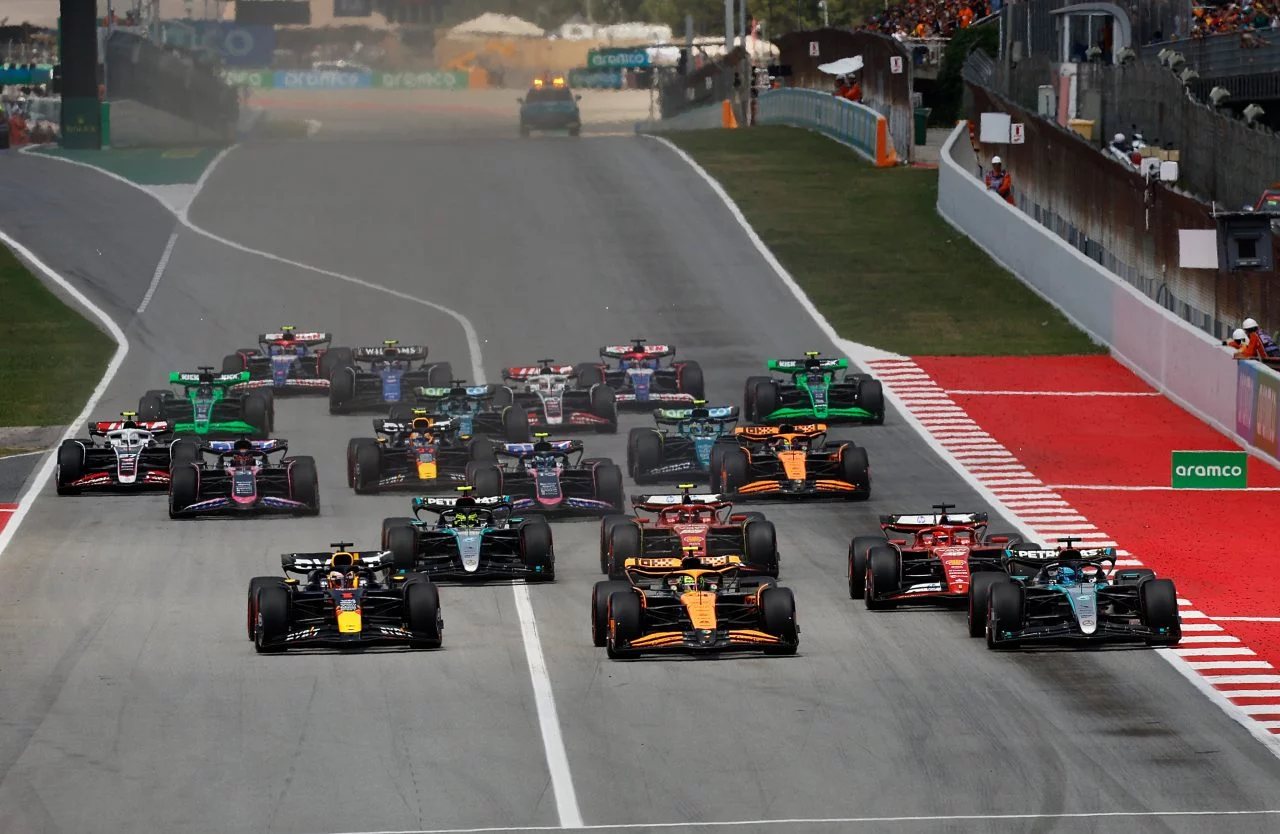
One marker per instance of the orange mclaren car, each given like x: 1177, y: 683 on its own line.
x: 791, y: 462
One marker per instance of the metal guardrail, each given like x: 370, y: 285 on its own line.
x: 845, y: 121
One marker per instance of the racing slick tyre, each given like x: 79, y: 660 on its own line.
x: 604, y: 404
x: 184, y: 450
x: 608, y: 479
x: 352, y: 445
x: 367, y: 467
x: 979, y: 594
x: 626, y: 541
x: 515, y: 424
x: 70, y: 467
x: 233, y: 363
x: 389, y: 524
x: 624, y: 622
x: 150, y: 407
x: 342, y: 387
x: 272, y: 619
x: 767, y: 399
x: 333, y: 359
x: 749, y: 395
x: 588, y: 374
x: 761, y: 546
x: 162, y: 393
x: 184, y: 489
x: 403, y: 544
x: 733, y: 470
x: 304, y: 484
x: 1159, y: 605
x: 858, y: 550
x: 600, y: 595
x: 713, y: 466
x: 422, y: 613
x: 487, y: 480
x: 401, y: 413
x: 754, y: 516
x: 778, y: 617
x: 871, y: 398
x: 644, y: 453
x: 1134, y: 576
x: 537, y: 552
x: 439, y: 375
x: 481, y: 450
x: 884, y: 576
x: 1005, y: 612
x: 856, y: 469
x: 502, y: 396
x: 606, y: 526
x: 256, y: 584
x: 689, y: 380
x: 256, y: 411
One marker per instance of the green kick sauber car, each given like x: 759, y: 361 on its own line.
x: 814, y: 389
x: 206, y: 409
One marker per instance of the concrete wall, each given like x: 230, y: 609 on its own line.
x: 699, y: 118
x: 1182, y: 361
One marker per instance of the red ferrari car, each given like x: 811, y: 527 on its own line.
x: 933, y: 562
x: 687, y: 525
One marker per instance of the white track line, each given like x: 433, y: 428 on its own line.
x: 1112, y: 488
x: 553, y: 741
x: 155, y: 278
x: 122, y: 349
x: 23, y: 454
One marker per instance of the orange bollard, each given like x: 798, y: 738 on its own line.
x: 727, y: 119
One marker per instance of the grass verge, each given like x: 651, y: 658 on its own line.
x: 145, y: 166
x: 52, y: 356
x: 869, y: 249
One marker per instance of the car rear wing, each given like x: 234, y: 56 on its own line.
x: 527, y: 372
x: 1046, y: 557
x: 308, y: 338
x: 524, y: 450
x: 766, y: 432
x: 439, y: 425
x: 798, y: 366
x: 188, y: 379
x: 650, y: 351
x: 306, y: 563
x: 910, y: 523
x: 663, y: 565
x: 676, y: 416
x: 475, y: 392
x: 408, y: 353
x: 101, y: 428
x: 226, y: 447
x: 662, y: 502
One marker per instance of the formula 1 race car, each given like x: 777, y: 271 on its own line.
x: 680, y: 607
x: 688, y: 526
x: 817, y: 389
x: 552, y: 477
x: 550, y: 105
x: 288, y: 362
x: 423, y: 454
x: 207, y: 408
x: 792, y: 462
x: 472, y: 538
x: 933, y: 563
x: 348, y: 600
x: 686, y: 452
x: 379, y: 377
x: 132, y: 456
x: 640, y: 379
x: 550, y: 400
x: 479, y: 410
x: 1072, y: 596
x: 244, y: 480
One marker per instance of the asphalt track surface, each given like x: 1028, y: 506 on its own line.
x: 133, y: 702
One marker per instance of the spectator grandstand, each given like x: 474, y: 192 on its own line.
x: 919, y: 19
x: 1220, y: 18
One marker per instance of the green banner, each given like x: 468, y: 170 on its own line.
x: 421, y: 80
x: 81, y: 123
x: 254, y: 79
x: 1210, y: 470
x: 618, y: 58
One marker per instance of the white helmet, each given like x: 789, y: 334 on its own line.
x: 1239, y: 335
x: 1249, y: 324
x: 1119, y: 138
x: 995, y: 160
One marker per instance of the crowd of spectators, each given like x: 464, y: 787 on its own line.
x: 1223, y: 18
x: 929, y: 18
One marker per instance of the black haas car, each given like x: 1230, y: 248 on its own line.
x: 346, y: 600
x: 380, y: 377
x: 551, y: 477
x: 242, y: 479
x: 288, y: 362
x: 118, y: 456
x: 423, y: 454
x: 641, y: 381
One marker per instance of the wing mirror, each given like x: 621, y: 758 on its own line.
x: 902, y: 542
x: 998, y: 539
x: 737, y: 518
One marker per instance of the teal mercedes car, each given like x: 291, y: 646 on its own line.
x: 550, y: 107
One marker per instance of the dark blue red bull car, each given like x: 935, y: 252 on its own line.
x: 381, y: 377
x: 639, y: 378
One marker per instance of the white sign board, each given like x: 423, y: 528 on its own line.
x: 895, y: 64
x: 1017, y: 133
x: 1198, y: 248
x: 813, y: 49
x: 994, y: 129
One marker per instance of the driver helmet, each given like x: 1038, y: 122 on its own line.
x: 1066, y: 573
x: 337, y: 579
x: 941, y: 537
x: 685, y: 584
x: 243, y: 453
x: 420, y: 427
x: 204, y: 390
x: 467, y: 518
